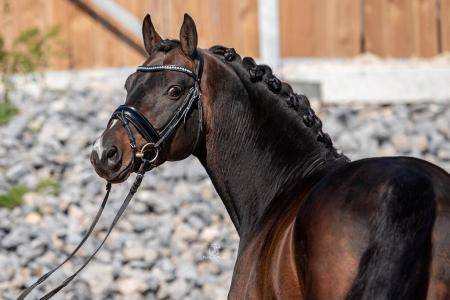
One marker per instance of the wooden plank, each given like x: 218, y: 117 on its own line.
x: 158, y: 9
x: 237, y: 22
x: 176, y: 10
x: 112, y: 44
x: 139, y: 8
x: 320, y: 27
x: 59, y: 15
x: 426, y: 28
x: 8, y: 21
x: 18, y: 16
x: 393, y: 28
x: 80, y: 39
x: 84, y: 41
x: 401, y: 28
x: 229, y: 22
x: 445, y: 25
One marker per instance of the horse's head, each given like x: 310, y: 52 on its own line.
x: 161, y: 118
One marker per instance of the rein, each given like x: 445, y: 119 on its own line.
x: 128, y: 114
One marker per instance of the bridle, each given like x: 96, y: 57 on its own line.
x: 128, y: 114
x: 148, y: 155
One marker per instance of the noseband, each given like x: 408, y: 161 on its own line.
x: 128, y: 114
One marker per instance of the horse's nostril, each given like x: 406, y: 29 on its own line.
x: 113, y: 157
x: 94, y: 157
x: 112, y: 152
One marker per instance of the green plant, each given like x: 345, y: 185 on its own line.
x: 28, y: 53
x: 14, y: 197
x: 7, y: 111
x: 48, y: 186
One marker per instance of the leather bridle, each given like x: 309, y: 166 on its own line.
x: 128, y: 114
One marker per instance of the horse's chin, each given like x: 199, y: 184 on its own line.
x: 120, y: 175
x: 119, y: 178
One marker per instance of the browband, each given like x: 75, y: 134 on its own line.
x: 177, y: 68
x: 156, y: 68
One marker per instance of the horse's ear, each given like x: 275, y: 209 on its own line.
x: 151, y: 37
x: 188, y: 36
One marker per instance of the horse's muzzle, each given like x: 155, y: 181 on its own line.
x: 107, y: 161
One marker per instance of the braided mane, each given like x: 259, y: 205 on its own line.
x: 262, y: 74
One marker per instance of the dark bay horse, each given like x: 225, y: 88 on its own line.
x: 312, y: 224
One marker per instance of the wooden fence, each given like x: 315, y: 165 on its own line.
x: 88, y: 37
x: 388, y: 28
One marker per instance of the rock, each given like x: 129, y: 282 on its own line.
x: 185, y: 232
x: 209, y: 234
x: 140, y: 208
x: 215, y: 292
x: 16, y: 129
x: 165, y: 265
x: 401, y: 143
x: 127, y: 286
x: 134, y: 252
x: 33, y: 218
x: 444, y: 154
x: 155, y: 201
x: 81, y: 291
x: 99, y: 276
x: 150, y: 255
x: 17, y: 236
x: 186, y: 271
x: 420, y: 142
x: 195, y: 171
x: 178, y: 289
x: 31, y: 251
x: 183, y: 192
x: 347, y: 142
x: 3, y: 185
x: 31, y: 181
x: 195, y: 222
x: 174, y: 170
x: 164, y: 234
x: 141, y: 223
x: 76, y: 213
x: 387, y: 150
x: 16, y: 172
x: 162, y: 276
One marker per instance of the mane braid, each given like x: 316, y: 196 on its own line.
x: 297, y: 102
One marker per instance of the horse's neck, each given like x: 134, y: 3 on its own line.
x: 254, y: 150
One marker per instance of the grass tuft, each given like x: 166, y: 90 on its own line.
x: 7, y: 112
x: 48, y: 186
x: 14, y: 197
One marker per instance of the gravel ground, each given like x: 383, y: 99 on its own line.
x: 176, y: 240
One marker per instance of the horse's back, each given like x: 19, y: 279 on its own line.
x: 374, y: 219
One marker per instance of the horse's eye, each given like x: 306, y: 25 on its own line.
x: 174, y: 92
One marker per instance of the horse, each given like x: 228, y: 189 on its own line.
x: 312, y: 224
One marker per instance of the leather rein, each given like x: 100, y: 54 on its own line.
x: 148, y: 155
